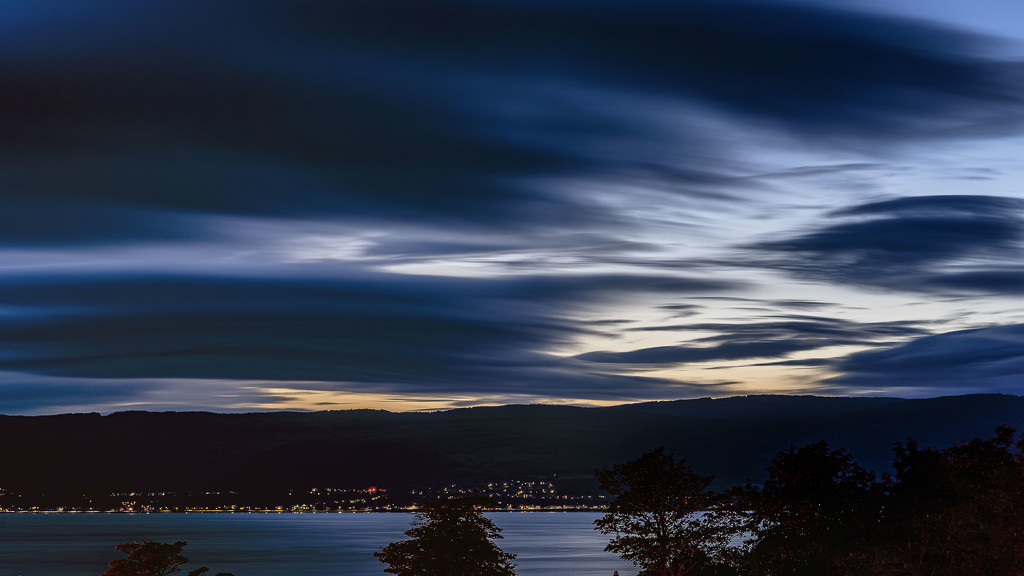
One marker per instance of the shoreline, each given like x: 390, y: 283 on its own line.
x: 411, y: 510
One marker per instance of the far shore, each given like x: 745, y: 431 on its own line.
x: 275, y: 511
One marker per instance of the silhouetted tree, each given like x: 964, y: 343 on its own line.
x: 958, y: 510
x: 449, y: 537
x: 815, y: 515
x: 150, y: 558
x: 656, y: 516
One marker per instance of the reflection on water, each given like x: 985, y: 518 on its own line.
x: 276, y: 544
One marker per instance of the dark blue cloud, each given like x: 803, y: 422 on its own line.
x: 20, y: 396
x: 758, y: 339
x: 581, y: 246
x: 520, y: 135
x: 922, y: 206
x: 1008, y: 280
x: 804, y: 326
x: 684, y: 354
x: 429, y: 335
x: 445, y: 112
x: 42, y: 222
x: 923, y: 243
x: 814, y: 69
x: 989, y: 359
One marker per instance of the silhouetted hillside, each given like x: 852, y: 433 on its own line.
x: 733, y: 438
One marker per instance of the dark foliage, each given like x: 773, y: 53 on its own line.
x: 657, y: 516
x: 148, y: 558
x: 812, y: 515
x: 450, y: 537
x: 957, y: 511
x: 954, y: 511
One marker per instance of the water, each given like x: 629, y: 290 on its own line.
x: 547, y: 543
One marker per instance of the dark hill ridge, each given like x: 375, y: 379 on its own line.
x: 733, y: 438
x: 767, y: 405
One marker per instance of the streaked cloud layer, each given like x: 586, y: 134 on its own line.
x: 418, y: 205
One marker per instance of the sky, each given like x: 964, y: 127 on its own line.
x: 410, y: 205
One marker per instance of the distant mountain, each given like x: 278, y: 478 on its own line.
x: 733, y: 438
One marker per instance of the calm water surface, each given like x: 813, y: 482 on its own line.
x: 547, y: 543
